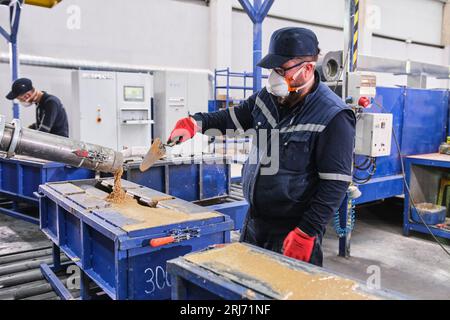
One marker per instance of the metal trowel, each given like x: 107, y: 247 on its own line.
x: 156, y: 152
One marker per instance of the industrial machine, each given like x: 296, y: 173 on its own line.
x: 177, y: 95
x: 373, y: 130
x: 112, y: 109
x: 373, y: 134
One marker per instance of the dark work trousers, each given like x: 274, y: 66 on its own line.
x: 270, y: 235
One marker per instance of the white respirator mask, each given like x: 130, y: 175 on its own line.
x: 279, y: 85
x: 26, y: 104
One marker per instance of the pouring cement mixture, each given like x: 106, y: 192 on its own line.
x: 118, y: 194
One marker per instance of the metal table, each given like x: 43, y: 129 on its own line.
x: 423, y: 175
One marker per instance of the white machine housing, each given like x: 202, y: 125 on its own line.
x: 177, y: 95
x: 374, y: 134
x: 112, y: 109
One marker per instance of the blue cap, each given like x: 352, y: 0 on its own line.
x: 19, y: 87
x: 288, y: 43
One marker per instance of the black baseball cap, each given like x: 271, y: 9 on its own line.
x: 19, y: 87
x: 288, y: 43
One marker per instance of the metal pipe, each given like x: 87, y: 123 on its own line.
x: 27, y: 265
x: 25, y: 256
x: 21, y: 278
x: 30, y: 289
x: 42, y: 61
x: 22, y: 141
x: 45, y: 296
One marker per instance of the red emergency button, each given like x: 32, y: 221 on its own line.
x: 364, y: 102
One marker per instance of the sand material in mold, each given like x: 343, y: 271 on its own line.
x: 154, y: 217
x: 238, y: 261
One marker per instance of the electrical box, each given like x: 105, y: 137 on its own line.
x: 178, y: 95
x: 112, y: 109
x: 373, y: 134
x: 361, y: 85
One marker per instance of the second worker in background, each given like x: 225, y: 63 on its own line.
x: 51, y: 117
x: 290, y: 209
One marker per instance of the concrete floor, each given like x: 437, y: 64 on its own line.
x: 414, y: 266
x: 18, y: 235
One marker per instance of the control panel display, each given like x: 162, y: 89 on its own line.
x: 133, y: 93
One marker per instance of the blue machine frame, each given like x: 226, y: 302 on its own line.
x: 420, y: 125
x: 121, y: 263
x: 420, y: 119
x: 408, y: 224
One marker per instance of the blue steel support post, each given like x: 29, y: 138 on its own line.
x: 257, y: 44
x: 215, y: 91
x: 56, y: 258
x: 344, y: 241
x: 14, y: 17
x: 257, y: 13
x: 84, y: 286
x: 11, y: 38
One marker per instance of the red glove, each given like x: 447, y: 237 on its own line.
x: 185, y: 128
x: 298, y: 245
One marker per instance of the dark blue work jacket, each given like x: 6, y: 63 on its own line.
x: 289, y: 191
x: 287, y: 194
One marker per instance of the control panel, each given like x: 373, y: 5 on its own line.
x: 361, y: 89
x: 373, y: 134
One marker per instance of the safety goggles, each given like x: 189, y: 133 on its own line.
x: 282, y: 71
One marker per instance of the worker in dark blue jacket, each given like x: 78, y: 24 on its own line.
x: 300, y: 167
x: 51, y: 117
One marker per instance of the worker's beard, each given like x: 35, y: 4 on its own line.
x: 290, y: 100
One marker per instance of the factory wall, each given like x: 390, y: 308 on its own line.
x: 148, y: 32
x: 177, y: 33
x: 391, y: 22
x: 157, y: 32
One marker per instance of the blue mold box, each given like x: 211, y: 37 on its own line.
x: 431, y: 214
x: 226, y: 272
x: 21, y: 176
x: 188, y: 178
x: 112, y: 247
